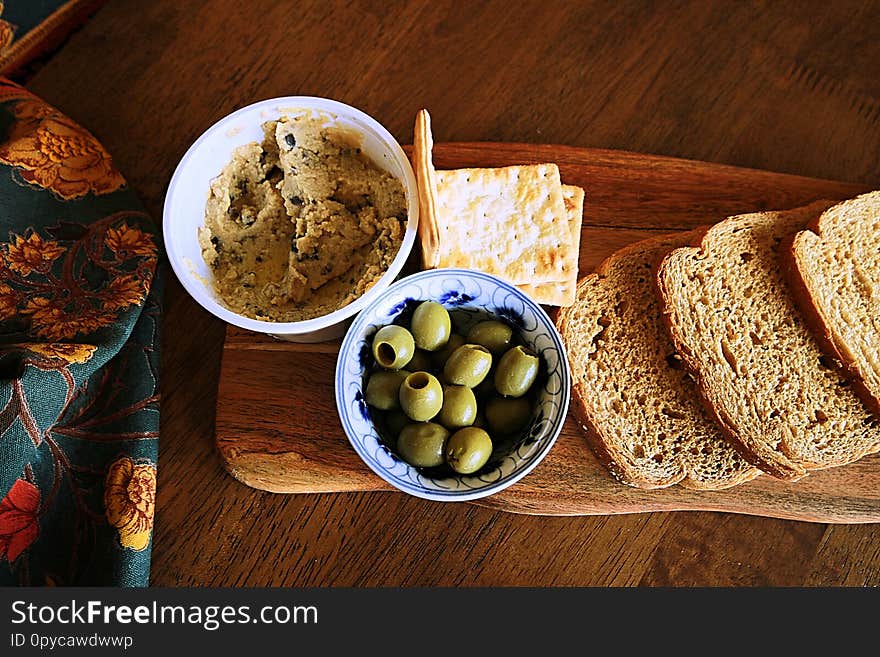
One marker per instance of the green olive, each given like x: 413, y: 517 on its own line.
x: 506, y: 415
x: 440, y: 356
x: 459, y: 407
x: 495, y: 335
x: 517, y: 371
x: 430, y: 325
x: 421, y: 396
x: 395, y: 421
x: 468, y: 365
x: 422, y: 444
x: 468, y: 449
x: 420, y: 362
x: 383, y: 389
x: 393, y: 347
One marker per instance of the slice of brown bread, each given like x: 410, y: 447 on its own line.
x: 835, y: 272
x: 639, y: 408
x: 733, y: 319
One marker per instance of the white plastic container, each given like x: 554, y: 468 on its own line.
x: 188, y: 191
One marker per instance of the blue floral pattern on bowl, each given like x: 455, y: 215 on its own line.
x: 472, y: 295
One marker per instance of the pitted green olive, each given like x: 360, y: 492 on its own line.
x: 421, y: 396
x: 439, y: 357
x: 517, y: 371
x: 496, y: 336
x: 431, y: 325
x: 383, y: 389
x: 468, y: 365
x: 468, y: 450
x: 422, y: 444
x: 506, y: 415
x: 459, y: 407
x: 442, y: 398
x: 393, y: 347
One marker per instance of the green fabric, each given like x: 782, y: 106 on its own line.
x: 79, y: 356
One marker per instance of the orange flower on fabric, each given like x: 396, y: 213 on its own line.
x: 19, y: 525
x: 130, y: 501
x: 32, y: 254
x: 28, y: 112
x: 69, y: 353
x: 8, y: 302
x: 127, y: 241
x: 60, y: 288
x: 53, y: 323
x: 44, y: 313
x: 123, y: 291
x: 55, y: 153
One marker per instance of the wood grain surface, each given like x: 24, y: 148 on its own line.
x: 268, y: 445
x: 785, y: 86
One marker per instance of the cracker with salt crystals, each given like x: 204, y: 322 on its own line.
x: 511, y: 221
x: 562, y: 293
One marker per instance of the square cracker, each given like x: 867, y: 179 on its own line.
x: 562, y: 293
x: 510, y: 221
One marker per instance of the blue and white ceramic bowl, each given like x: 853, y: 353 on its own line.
x: 469, y: 296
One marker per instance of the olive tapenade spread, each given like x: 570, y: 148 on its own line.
x: 301, y: 224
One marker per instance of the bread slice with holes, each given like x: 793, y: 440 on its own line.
x: 835, y: 272
x: 638, y: 406
x: 733, y: 319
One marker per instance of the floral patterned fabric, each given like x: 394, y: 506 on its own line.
x: 79, y: 359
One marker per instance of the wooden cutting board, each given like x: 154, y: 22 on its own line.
x: 277, y: 427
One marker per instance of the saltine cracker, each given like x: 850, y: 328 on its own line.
x: 511, y: 222
x: 562, y: 293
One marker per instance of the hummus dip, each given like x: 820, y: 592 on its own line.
x: 301, y: 224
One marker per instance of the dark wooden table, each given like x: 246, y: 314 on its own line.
x: 785, y: 86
